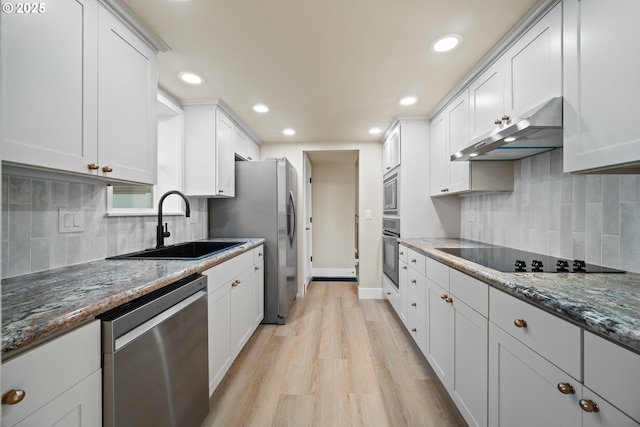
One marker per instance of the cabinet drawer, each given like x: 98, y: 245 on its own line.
x: 417, y: 330
x: 50, y: 369
x: 258, y: 254
x: 553, y: 338
x: 416, y: 304
x: 471, y: 291
x: 438, y: 273
x: 222, y: 273
x: 417, y: 261
x: 613, y: 372
x: 403, y: 254
x: 418, y: 283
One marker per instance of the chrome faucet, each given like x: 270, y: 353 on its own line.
x: 162, y: 232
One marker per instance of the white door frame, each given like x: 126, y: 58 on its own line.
x: 307, y: 212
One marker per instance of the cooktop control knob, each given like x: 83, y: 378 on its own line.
x: 563, y: 266
x: 536, y: 266
x: 521, y: 266
x: 579, y: 266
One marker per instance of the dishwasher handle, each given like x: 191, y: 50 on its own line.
x: 155, y: 321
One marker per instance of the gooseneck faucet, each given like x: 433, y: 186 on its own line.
x: 162, y: 232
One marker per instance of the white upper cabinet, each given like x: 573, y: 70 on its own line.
x: 601, y: 85
x: 213, y: 137
x: 127, y: 103
x: 449, y: 134
x: 79, y: 93
x: 209, y: 157
x: 391, y: 151
x: 244, y: 147
x: 49, y: 86
x: 533, y: 66
x: 525, y: 76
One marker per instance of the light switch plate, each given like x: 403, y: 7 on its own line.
x: 70, y: 220
x: 367, y: 214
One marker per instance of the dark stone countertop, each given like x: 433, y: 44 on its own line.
x: 39, y: 306
x: 606, y: 304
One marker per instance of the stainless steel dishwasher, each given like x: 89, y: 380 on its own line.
x: 155, y: 358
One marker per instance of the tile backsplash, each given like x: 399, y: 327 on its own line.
x: 30, y: 238
x: 590, y: 217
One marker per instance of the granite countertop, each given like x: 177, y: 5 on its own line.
x: 39, y: 306
x: 606, y: 304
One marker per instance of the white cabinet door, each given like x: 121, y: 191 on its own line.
x: 241, y: 316
x: 49, y: 373
x: 601, y: 85
x: 391, y: 151
x: 403, y: 280
x: 440, y: 333
x: 458, y: 134
x: 486, y: 100
x: 534, y: 65
x: 523, y: 387
x: 470, y: 363
x: 209, y: 157
x: 49, y: 86
x: 438, y: 160
x: 391, y: 293
x: 607, y: 414
x: 257, y: 293
x: 80, y: 406
x: 219, y: 313
x: 253, y: 151
x: 225, y: 156
x: 127, y: 106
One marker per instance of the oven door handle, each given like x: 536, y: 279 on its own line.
x: 390, y: 234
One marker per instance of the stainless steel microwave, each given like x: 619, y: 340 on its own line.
x: 391, y: 187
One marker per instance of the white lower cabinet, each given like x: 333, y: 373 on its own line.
x: 257, y: 286
x: 234, y: 288
x: 505, y: 362
x: 61, y: 381
x: 523, y: 386
x: 391, y: 293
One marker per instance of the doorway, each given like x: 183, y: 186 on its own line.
x: 331, y: 215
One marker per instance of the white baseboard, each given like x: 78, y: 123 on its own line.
x: 334, y: 272
x: 370, y: 293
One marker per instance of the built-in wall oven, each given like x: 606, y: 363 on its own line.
x: 391, y: 185
x: 390, y: 235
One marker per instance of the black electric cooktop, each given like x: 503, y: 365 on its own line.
x: 511, y: 260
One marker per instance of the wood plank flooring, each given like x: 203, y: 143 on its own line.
x: 338, y: 361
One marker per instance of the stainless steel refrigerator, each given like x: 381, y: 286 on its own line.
x: 264, y: 206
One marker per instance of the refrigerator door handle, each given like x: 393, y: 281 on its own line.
x: 292, y: 219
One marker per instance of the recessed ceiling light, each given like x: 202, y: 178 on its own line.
x: 446, y: 43
x: 191, y: 78
x: 408, y: 100
x: 289, y: 132
x: 375, y: 131
x: 509, y: 139
x: 260, y: 108
x: 473, y: 155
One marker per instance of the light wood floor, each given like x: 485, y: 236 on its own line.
x: 337, y: 362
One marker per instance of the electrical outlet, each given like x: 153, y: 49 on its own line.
x: 367, y: 214
x: 70, y: 220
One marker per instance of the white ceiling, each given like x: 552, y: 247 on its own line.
x: 330, y: 69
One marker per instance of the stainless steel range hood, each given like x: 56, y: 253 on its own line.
x: 535, y: 132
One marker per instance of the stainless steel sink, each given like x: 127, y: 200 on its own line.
x: 185, y: 251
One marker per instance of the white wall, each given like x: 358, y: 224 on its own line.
x: 369, y: 197
x: 334, y: 208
